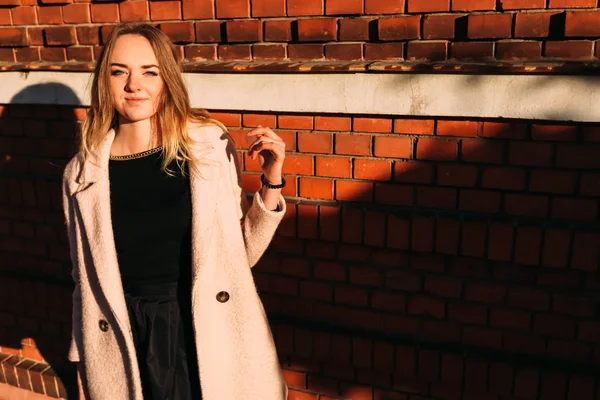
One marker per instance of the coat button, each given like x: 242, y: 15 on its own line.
x: 103, y: 325
x: 222, y: 297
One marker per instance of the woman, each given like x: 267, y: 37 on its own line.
x: 162, y: 239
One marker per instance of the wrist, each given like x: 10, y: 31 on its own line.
x: 271, y: 182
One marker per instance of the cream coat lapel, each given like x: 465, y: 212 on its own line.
x: 204, y: 184
x: 93, y: 202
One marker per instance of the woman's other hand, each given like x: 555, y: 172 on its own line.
x: 269, y: 150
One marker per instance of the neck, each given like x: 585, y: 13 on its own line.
x: 134, y: 137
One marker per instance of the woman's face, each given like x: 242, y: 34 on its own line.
x: 135, y: 80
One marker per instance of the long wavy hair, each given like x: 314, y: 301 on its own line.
x: 173, y: 113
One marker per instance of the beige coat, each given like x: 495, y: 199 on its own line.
x: 236, y: 353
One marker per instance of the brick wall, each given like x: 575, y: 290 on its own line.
x: 420, y: 258
x: 303, y: 30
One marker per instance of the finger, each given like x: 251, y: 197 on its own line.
x: 268, y: 132
x: 265, y: 139
x: 267, y: 145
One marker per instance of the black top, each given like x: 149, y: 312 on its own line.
x: 151, y: 218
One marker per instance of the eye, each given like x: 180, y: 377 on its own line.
x: 151, y: 73
x: 117, y: 72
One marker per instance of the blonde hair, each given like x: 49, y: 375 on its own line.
x: 173, y: 112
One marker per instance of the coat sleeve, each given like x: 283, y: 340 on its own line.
x: 258, y: 223
x: 74, y: 353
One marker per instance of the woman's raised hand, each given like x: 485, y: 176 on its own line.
x: 269, y: 150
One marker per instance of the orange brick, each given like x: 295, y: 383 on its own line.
x: 314, y: 142
x: 359, y: 145
x: 397, y: 147
x: 316, y: 188
x: 380, y: 125
x: 375, y: 170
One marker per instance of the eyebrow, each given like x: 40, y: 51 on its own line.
x: 125, y: 66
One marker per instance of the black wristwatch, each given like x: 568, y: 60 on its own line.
x: 266, y: 184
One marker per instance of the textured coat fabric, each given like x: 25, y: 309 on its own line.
x: 236, y: 353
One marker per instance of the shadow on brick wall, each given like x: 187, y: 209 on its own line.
x: 473, y: 256
x: 36, y: 142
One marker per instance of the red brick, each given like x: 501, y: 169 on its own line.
x: 358, y: 145
x: 572, y: 4
x: 306, y: 52
x: 574, y: 209
x: 526, y: 205
x: 440, y: 26
x: 456, y: 175
x: 333, y: 167
x: 447, y: 236
x: 420, y: 6
x: 554, y: 132
x: 484, y: 26
x: 436, y: 149
x: 384, y: 6
x: 297, y: 8
x: 89, y: 35
x: 436, y: 197
x: 5, y: 18
x: 24, y: 16
x: 474, y: 150
x: 518, y: 50
x: 473, y: 5
x: 522, y: 4
x: 79, y: 53
x: 269, y: 51
x: 254, y: 120
x: 105, y: 12
x: 427, y: 50
x: 582, y: 23
x: 198, y: 9
x: 510, y: 319
x: 323, y: 123
x: 232, y: 8
x: 343, y: 51
x: 316, y: 188
x: 343, y: 7
x: 421, y: 305
x: 244, y: 31
x: 50, y: 15
x: 384, y: 51
x: 14, y: 37
x: 577, y: 156
x: 317, y: 29
x: 77, y: 13
x: 53, y: 54
x: 533, y: 25
x: 7, y: 55
x: 473, y: 240
x: 278, y: 31
x: 501, y: 130
x: 26, y: 54
x: 268, y: 8
x: 179, y: 32
x: 573, y: 49
x: 585, y: 251
x: 165, y: 10
x: 532, y: 154
x: 414, y: 126
x: 354, y: 191
x: 235, y: 52
x: 558, y: 182
x: 230, y: 119
x: 555, y: 252
x: 472, y: 50
x: 399, y: 28
x: 313, y: 142
x: 396, y: 147
x: 354, y: 29
x: 458, y: 128
x: 375, y: 170
x: 500, y: 245
x: 503, y: 178
x: 298, y: 164
x: 60, y: 36
x: 379, y: 125
x: 208, y: 31
x: 590, y: 185
x: 201, y: 52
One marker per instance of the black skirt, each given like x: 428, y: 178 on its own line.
x: 163, y: 336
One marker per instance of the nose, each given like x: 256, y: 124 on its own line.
x: 132, y: 84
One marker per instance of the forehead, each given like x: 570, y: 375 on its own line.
x: 133, y: 50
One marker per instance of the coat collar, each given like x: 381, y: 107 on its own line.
x: 95, y: 167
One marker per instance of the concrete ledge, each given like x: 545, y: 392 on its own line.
x: 8, y: 392
x: 532, y: 97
